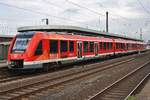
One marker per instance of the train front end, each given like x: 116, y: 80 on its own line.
x: 18, y: 50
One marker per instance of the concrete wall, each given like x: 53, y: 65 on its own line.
x: 4, y: 50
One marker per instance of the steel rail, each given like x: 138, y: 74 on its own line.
x: 71, y: 77
x: 117, y: 82
x: 137, y: 86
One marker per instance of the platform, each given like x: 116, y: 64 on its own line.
x: 3, y: 63
x: 145, y: 92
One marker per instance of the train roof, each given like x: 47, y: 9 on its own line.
x: 6, y: 36
x: 77, y: 37
x: 73, y: 29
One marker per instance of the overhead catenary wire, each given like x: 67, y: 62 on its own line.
x: 113, y: 19
x: 85, y: 8
x: 63, y: 18
x: 124, y: 18
x: 52, y: 4
x: 113, y: 12
x: 40, y: 13
x: 143, y: 7
x: 60, y: 7
x: 93, y: 11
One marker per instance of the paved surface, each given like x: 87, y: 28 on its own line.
x: 3, y: 63
x: 145, y: 92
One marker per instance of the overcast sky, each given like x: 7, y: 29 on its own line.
x: 126, y: 17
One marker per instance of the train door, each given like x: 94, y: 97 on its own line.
x: 96, y: 48
x: 79, y: 49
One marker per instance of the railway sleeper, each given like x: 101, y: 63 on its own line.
x: 108, y: 98
x: 4, y: 97
x: 27, y: 90
x: 19, y: 92
x: 40, y: 94
x: 114, y: 96
x: 34, y: 89
x: 120, y: 91
x: 116, y: 93
x: 13, y: 94
x: 32, y: 97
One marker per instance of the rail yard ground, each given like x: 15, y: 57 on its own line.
x: 3, y: 63
x: 80, y: 82
x: 144, y: 94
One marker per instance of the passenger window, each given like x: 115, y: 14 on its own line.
x: 105, y: 46
x: 120, y: 45
x: 100, y: 45
x: 85, y: 46
x: 91, y: 46
x: 117, y: 45
x: 110, y: 44
x: 128, y: 46
x: 39, y: 49
x: 53, y: 46
x: 123, y: 46
x: 63, y: 46
x: 71, y: 45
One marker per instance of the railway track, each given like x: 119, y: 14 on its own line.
x: 6, y: 76
x: 26, y: 90
x: 125, y: 86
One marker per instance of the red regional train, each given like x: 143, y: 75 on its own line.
x: 31, y: 49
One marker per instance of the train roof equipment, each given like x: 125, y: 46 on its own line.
x: 73, y: 29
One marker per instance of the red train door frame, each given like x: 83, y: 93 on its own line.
x: 96, y: 48
x: 79, y: 49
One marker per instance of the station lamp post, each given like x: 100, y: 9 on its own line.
x: 47, y: 21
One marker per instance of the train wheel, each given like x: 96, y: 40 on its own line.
x: 59, y: 63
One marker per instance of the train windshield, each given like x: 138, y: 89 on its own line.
x: 21, y: 43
